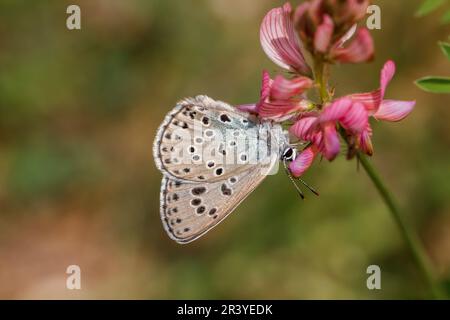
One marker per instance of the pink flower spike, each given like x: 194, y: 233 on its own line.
x: 356, y: 119
x: 330, y: 143
x: 387, y: 73
x: 335, y: 111
x: 365, y: 141
x: 303, y: 128
x: 360, y: 49
x: 284, y: 89
x: 280, y: 42
x: 264, y: 95
x: 370, y: 100
x: 303, y: 162
x: 314, y: 11
x: 300, y: 12
x: 277, y: 110
x: 265, y: 86
x: 347, y: 36
x: 394, y: 110
x: 322, y: 37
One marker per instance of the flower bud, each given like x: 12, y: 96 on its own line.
x: 345, y: 13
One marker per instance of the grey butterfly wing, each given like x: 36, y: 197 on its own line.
x: 207, y: 176
x: 206, y: 140
x: 189, y: 210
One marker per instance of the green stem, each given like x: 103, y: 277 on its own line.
x: 410, y: 238
x: 406, y: 231
x: 321, y: 76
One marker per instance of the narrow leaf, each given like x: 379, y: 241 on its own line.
x: 434, y: 84
x: 445, y: 47
x: 429, y: 6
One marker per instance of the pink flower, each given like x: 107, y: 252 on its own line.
x: 347, y: 12
x: 390, y: 110
x: 328, y: 30
x: 280, y: 41
x: 380, y: 109
x: 321, y: 129
x: 360, y: 49
x: 303, y: 161
x: 280, y: 97
x: 351, y: 113
x: 324, y: 34
x: 325, y: 26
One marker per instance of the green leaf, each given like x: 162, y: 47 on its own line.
x: 445, y: 47
x: 429, y: 6
x: 446, y: 18
x: 434, y: 84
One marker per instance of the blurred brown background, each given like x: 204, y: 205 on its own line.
x: 78, y: 185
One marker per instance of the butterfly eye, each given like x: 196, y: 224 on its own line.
x: 288, y: 154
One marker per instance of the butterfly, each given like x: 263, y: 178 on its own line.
x: 212, y: 156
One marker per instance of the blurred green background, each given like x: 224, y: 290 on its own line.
x: 78, y: 185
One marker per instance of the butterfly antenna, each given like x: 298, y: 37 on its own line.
x: 300, y: 192
x: 309, y: 187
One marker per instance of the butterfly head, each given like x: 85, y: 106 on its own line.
x: 289, y: 154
